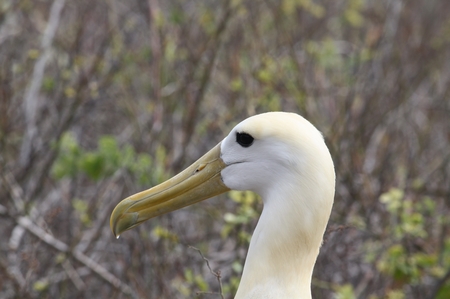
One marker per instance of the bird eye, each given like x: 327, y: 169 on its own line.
x: 244, y: 139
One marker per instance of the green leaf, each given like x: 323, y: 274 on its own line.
x: 48, y: 84
x: 237, y: 267
x: 111, y: 154
x: 163, y: 233
x: 392, y: 199
x: 142, y: 169
x: 395, y: 294
x: 345, y: 292
x: 41, y: 285
x: 201, y: 283
x: 79, y: 205
x: 93, y: 165
x: 443, y: 292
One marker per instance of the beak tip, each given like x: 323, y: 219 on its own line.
x: 121, y: 222
x: 114, y: 231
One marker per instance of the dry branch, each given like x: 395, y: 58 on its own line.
x: 25, y: 222
x: 79, y: 256
x: 215, y: 273
x: 31, y: 97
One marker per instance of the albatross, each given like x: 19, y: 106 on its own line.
x: 282, y: 157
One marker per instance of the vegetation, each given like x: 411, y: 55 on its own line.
x: 101, y: 99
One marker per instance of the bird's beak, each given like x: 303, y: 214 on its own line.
x: 198, y: 182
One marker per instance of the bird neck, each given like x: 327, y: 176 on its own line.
x: 284, y: 247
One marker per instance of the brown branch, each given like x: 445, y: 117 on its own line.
x: 31, y: 96
x: 18, y: 285
x: 107, y: 201
x: 333, y: 229
x: 193, y: 107
x: 63, y: 275
x: 73, y: 275
x: 104, y: 274
x: 157, y: 49
x: 216, y: 274
x: 13, y: 187
x: 26, y: 223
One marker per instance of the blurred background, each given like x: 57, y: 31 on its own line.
x: 101, y: 99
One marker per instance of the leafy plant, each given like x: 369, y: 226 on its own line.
x: 105, y: 160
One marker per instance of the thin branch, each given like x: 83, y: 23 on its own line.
x: 111, y: 191
x: 14, y: 189
x: 63, y: 275
x: 79, y: 256
x: 193, y: 106
x: 333, y: 229
x: 216, y: 274
x: 17, y: 284
x: 31, y: 96
x: 157, y: 49
x: 73, y: 275
x: 26, y: 223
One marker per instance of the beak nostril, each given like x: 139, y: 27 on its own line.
x: 200, y: 167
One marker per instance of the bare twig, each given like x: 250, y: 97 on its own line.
x: 333, y: 229
x: 17, y: 233
x: 81, y: 257
x: 193, y: 107
x: 63, y: 275
x: 31, y: 96
x: 18, y: 285
x: 156, y: 46
x: 73, y: 275
x: 27, y: 224
x: 14, y: 189
x: 215, y: 273
x: 112, y: 190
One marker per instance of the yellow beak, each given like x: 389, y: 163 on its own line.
x: 198, y: 182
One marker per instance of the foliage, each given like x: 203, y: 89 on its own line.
x: 245, y: 214
x: 400, y: 261
x: 101, y: 99
x: 105, y: 161
x: 345, y: 292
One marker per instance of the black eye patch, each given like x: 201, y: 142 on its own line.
x: 244, y: 139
